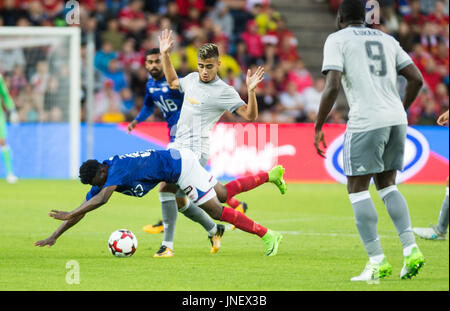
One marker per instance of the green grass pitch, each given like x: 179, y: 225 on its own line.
x: 321, y: 249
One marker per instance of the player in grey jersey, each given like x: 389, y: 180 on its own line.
x: 206, y: 98
x: 367, y: 62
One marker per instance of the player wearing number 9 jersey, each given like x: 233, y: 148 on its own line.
x: 371, y: 59
x: 367, y: 62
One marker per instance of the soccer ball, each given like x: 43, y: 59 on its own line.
x: 122, y: 243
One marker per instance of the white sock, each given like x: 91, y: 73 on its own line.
x: 376, y: 259
x: 407, y: 250
x: 168, y: 244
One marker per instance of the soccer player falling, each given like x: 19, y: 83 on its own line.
x: 137, y: 173
x: 206, y: 98
x: 367, y: 62
x: 170, y: 101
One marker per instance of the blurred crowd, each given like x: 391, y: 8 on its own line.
x: 249, y: 33
x: 421, y: 27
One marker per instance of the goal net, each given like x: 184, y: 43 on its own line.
x: 41, y: 67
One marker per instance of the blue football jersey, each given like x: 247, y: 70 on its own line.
x: 167, y: 100
x: 137, y: 173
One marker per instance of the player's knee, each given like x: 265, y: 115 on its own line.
x: 181, y: 202
x: 384, y: 180
x: 221, y: 192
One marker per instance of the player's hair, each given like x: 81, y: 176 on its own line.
x: 88, y: 170
x: 208, y: 50
x: 352, y: 10
x: 153, y: 51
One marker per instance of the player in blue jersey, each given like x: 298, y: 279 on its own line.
x: 137, y: 173
x: 169, y: 102
x: 159, y: 94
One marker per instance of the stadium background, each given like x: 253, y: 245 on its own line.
x: 285, y: 36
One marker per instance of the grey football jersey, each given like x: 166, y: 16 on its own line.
x: 369, y: 61
x: 203, y: 105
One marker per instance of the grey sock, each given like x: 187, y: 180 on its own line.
x: 443, y: 216
x: 169, y: 211
x: 398, y: 210
x: 366, y: 220
x: 195, y: 213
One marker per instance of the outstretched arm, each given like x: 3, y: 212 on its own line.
x: 73, y: 217
x: 165, y: 45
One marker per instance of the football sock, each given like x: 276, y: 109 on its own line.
x: 7, y: 158
x: 407, y: 250
x: 169, y: 211
x: 398, y: 211
x: 443, y: 216
x: 377, y: 258
x: 232, y: 202
x: 195, y: 213
x: 366, y: 220
x: 242, y: 222
x: 245, y: 184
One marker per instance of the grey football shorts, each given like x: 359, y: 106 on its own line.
x: 374, y: 151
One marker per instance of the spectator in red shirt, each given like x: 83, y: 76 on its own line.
x: 288, y: 49
x: 252, y: 39
x: 184, y: 5
x: 415, y: 19
x: 52, y: 7
x: 281, y: 31
x: 129, y: 58
x: 131, y: 17
x: 300, y: 76
x: 438, y: 16
x: 431, y: 75
x: 441, y: 57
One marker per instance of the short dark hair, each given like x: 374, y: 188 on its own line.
x: 208, y: 50
x: 88, y: 170
x: 153, y: 51
x: 352, y: 10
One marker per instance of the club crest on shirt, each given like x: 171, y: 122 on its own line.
x: 193, y: 101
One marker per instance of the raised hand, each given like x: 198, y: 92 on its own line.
x: 255, y: 79
x: 165, y: 41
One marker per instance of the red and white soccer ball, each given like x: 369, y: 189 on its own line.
x: 122, y: 243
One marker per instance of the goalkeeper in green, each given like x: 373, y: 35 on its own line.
x: 5, y: 150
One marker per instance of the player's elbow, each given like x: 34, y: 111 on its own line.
x: 251, y: 116
x: 173, y: 86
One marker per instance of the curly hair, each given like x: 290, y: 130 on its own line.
x: 88, y: 170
